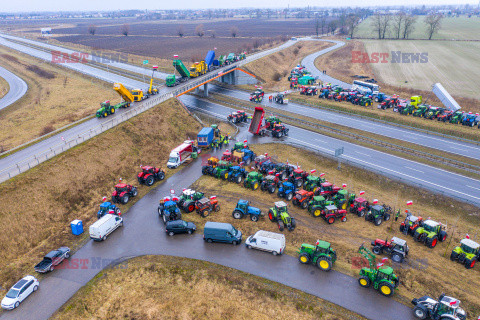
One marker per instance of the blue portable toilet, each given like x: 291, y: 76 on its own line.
x: 205, y: 137
x: 77, y: 227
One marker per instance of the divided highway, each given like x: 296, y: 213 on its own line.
x: 18, y: 88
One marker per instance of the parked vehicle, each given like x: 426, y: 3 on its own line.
x: 396, y: 248
x: 253, y: 180
x: 317, y: 205
x: 302, y: 198
x: 221, y: 232
x: 19, y: 292
x: 313, y: 182
x: 243, y: 208
x: 52, y: 259
x: 445, y: 308
x: 211, y: 164
x: 100, y: 229
x: 279, y: 214
x: 286, y: 190
x: 332, y: 213
x: 180, y: 154
x: 205, y: 206
x: 430, y: 233
x: 236, y: 174
x: 378, y: 214
x: 470, y: 120
x: 267, y: 241
x: 327, y: 189
x: 150, y: 174
x: 360, y: 206
x: 179, y: 226
x: 468, y: 253
x: 168, y: 210
x: 123, y: 192
x: 187, y: 199
x: 270, y: 183
x: 411, y: 224
x: 321, y: 254
x: 107, y: 207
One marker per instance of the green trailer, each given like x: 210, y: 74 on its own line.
x: 306, y: 80
x: 183, y: 71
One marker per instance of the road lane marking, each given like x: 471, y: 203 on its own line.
x: 367, y: 155
x: 473, y: 187
x: 414, y: 169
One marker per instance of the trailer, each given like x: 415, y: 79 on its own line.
x: 445, y: 97
x: 256, y: 127
x: 183, y: 72
x: 197, y: 69
x: 180, y: 154
x: 205, y: 137
x: 126, y: 95
x: 209, y: 59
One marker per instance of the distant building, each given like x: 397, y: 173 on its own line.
x: 46, y: 32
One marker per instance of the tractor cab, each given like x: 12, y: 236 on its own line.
x: 449, y: 306
x: 212, y: 161
x: 227, y: 155
x: 260, y: 159
x: 469, y: 247
x: 377, y: 211
x: 324, y: 247
x: 328, y: 189
x: 432, y: 226
x: 242, y: 205
x: 318, y: 201
x: 266, y: 166
x: 343, y: 198
x: 331, y: 209
x: 121, y: 187
x: 312, y: 182
x: 385, y: 273
x: 288, y: 186
x: 281, y: 207
x: 239, y: 146
x: 216, y: 130
x: 399, y: 245
x: 360, y: 203
x: 149, y: 169
x: 271, y: 121
x: 254, y: 175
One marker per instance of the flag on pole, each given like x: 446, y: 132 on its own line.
x: 362, y: 193
x: 175, y: 56
x: 213, y: 197
x: 375, y: 201
x: 322, y: 174
x: 104, y: 199
x: 344, y: 185
x: 467, y: 236
x: 409, y: 202
x: 266, y: 154
x: 313, y: 170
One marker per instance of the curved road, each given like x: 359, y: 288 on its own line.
x: 18, y: 88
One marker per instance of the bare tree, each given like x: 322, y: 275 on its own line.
x: 398, y: 22
x: 212, y: 33
x: 433, y: 21
x: 181, y: 31
x: 200, y: 30
x: 352, y: 24
x: 92, y: 29
x: 386, y: 24
x: 380, y: 24
x: 125, y: 29
x: 332, y: 26
x: 317, y: 26
x: 408, y: 25
x: 323, y: 23
x: 234, y: 31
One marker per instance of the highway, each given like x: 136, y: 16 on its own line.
x: 18, y: 88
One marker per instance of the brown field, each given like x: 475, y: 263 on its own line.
x: 339, y: 65
x: 273, y: 71
x: 4, y: 87
x: 424, y: 271
x: 201, y: 290
x: 77, y: 180
x: 55, y: 98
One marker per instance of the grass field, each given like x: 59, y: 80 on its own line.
x: 4, y: 87
x: 55, y: 98
x: 71, y: 185
x: 458, y: 28
x: 151, y: 285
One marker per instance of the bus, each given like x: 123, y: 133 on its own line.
x: 370, y: 86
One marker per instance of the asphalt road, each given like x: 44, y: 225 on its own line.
x: 143, y: 233
x: 391, y: 131
x: 18, y: 88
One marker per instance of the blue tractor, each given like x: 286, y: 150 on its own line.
x: 248, y: 156
x: 236, y: 174
x: 107, y: 207
x: 243, y: 208
x: 286, y: 190
x: 470, y: 120
x: 169, y: 211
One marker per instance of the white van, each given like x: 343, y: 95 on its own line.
x: 267, y: 241
x: 104, y: 226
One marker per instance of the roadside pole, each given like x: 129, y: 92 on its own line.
x: 338, y: 153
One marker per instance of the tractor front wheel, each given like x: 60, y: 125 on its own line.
x: 217, y: 208
x: 237, y: 214
x: 134, y: 192
x: 386, y: 289
x: 254, y: 218
x: 364, y: 281
x: 432, y: 242
x: 453, y: 256
x: 386, y: 217
x: 289, y: 196
x: 377, y: 250
x: 323, y: 263
x: 270, y: 215
x: 304, y: 258
x: 378, y: 221
x: 420, y: 312
x: 255, y: 186
x: 150, y: 181
x: 304, y: 204
x: 317, y: 213
x: 125, y: 199
x: 271, y: 189
x: 442, y: 236
x: 281, y: 225
x: 469, y: 264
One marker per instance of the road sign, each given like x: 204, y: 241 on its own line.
x: 145, y: 61
x: 338, y: 152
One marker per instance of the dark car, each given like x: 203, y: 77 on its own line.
x: 53, y: 259
x: 179, y: 226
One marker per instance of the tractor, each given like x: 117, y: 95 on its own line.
x: 327, y: 189
x: 270, y: 183
x: 360, y: 206
x: 411, y: 224
x: 382, y: 278
x: 279, y: 214
x: 236, y: 174
x: 279, y: 130
x: 260, y: 159
x: 457, y: 117
x: 407, y: 110
x: 243, y: 208
x: 257, y: 96
x: 321, y: 254
x: 187, y: 199
x: 312, y: 182
x: 317, y: 205
x: 297, y: 177
x: 283, y: 170
x: 324, y: 93
x: 123, y: 192
x: 221, y: 170
x: 445, y: 115
x: 271, y: 121
x: 211, y: 164
x: 234, y: 117
x: 168, y: 211
x: 365, y: 101
x: 253, y: 180
x: 244, y: 156
x: 343, y: 199
x: 430, y: 233
x: 433, y: 112
x: 280, y: 98
x: 107, y: 207
x: 470, y: 120
x: 468, y: 253
x: 266, y: 166
x: 286, y: 190
x: 204, y: 206
x: 311, y: 91
x: 378, y: 214
x: 445, y: 308
x: 421, y: 110
x: 239, y: 146
x: 227, y: 156
x: 331, y: 213
x: 302, y: 198
x: 396, y: 248
x: 149, y: 175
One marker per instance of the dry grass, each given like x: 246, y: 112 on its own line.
x: 425, y: 270
x: 151, y: 285
x: 4, y: 87
x: 273, y: 71
x: 71, y: 185
x: 55, y: 98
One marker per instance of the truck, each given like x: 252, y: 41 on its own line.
x: 209, y: 58
x: 257, y: 120
x: 183, y: 72
x: 129, y: 96
x: 107, y: 109
x: 101, y: 228
x: 267, y: 241
x: 52, y: 259
x: 198, y: 69
x: 416, y: 101
x: 445, y: 97
x: 205, y: 137
x: 180, y: 154
x: 231, y: 58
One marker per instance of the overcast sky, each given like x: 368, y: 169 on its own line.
x: 108, y: 5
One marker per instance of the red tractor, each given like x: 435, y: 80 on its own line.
x: 149, y: 175
x: 327, y: 190
x: 302, y: 198
x: 360, y: 206
x: 332, y: 213
x: 204, y: 206
x: 227, y: 156
x: 396, y: 248
x: 411, y: 224
x: 123, y: 192
x: 298, y: 177
x: 259, y: 160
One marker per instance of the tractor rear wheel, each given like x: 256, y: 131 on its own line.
x: 397, y: 258
x: 255, y: 185
x: 237, y: 214
x: 125, y: 199
x: 254, y: 218
x: 204, y: 213
x: 112, y: 111
x: 378, y: 221
x: 331, y: 220
x: 377, y: 250
x: 386, y: 217
x: 281, y: 225
x: 270, y: 215
x: 271, y: 189
x: 225, y: 176
x: 150, y: 181
x: 189, y: 206
x: 304, y: 258
x: 420, y: 312
x: 263, y: 186
x: 386, y: 289
x: 299, y: 183
x: 361, y: 213
x: 295, y: 201
x: 217, y: 208
x: 304, y: 204
x: 432, y: 242
x: 239, y: 179
x: 317, y: 212
x: 364, y: 281
x: 323, y: 263
x: 289, y: 196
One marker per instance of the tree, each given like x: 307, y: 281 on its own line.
x: 352, y: 24
x: 200, y: 30
x: 398, y: 22
x: 317, y: 26
x: 408, y: 25
x: 323, y: 23
x: 125, y: 29
x: 380, y: 24
x: 181, y: 31
x: 92, y: 29
x: 433, y: 21
x: 234, y: 31
x: 332, y: 26
x: 386, y: 24
x: 212, y: 33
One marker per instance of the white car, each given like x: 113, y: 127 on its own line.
x: 19, y: 292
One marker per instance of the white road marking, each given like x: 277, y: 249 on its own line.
x: 364, y: 154
x: 473, y: 187
x: 414, y: 169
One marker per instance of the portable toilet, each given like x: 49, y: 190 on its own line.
x: 77, y: 227
x: 205, y: 137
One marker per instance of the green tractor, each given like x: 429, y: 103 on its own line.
x: 107, y: 109
x: 378, y: 214
x: 457, y: 117
x: 365, y: 101
x: 279, y: 214
x: 381, y: 278
x: 408, y: 110
x: 321, y: 254
x: 421, y: 110
x: 468, y: 253
x: 343, y: 199
x: 430, y: 233
x: 317, y: 205
x: 253, y: 180
x: 187, y: 199
x: 239, y: 146
x: 313, y: 182
x: 271, y: 121
x: 221, y: 170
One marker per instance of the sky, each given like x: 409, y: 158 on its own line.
x: 110, y: 5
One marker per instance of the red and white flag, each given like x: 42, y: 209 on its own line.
x: 155, y: 67
x: 362, y: 193
x: 175, y: 56
x: 409, y: 202
x: 313, y: 170
x: 175, y: 198
x: 344, y: 185
x: 467, y: 236
x: 184, y: 189
x: 266, y: 154
x: 245, y: 141
x: 375, y: 201
x: 322, y: 174
x: 213, y: 197
x: 104, y: 199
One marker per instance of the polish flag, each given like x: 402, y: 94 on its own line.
x: 175, y: 56
x: 213, y: 197
x: 467, y: 236
x: 384, y: 260
x: 266, y: 154
x: 167, y: 198
x: 362, y: 193
x: 322, y: 174
x: 470, y: 112
x: 409, y: 202
x: 344, y: 185
x: 453, y: 302
x: 175, y: 198
x: 245, y: 141
x: 184, y: 189
x: 256, y: 86
x: 375, y: 201
x: 155, y: 67
x: 253, y: 168
x: 313, y: 170
x: 380, y: 265
x: 104, y: 199
x: 120, y: 180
